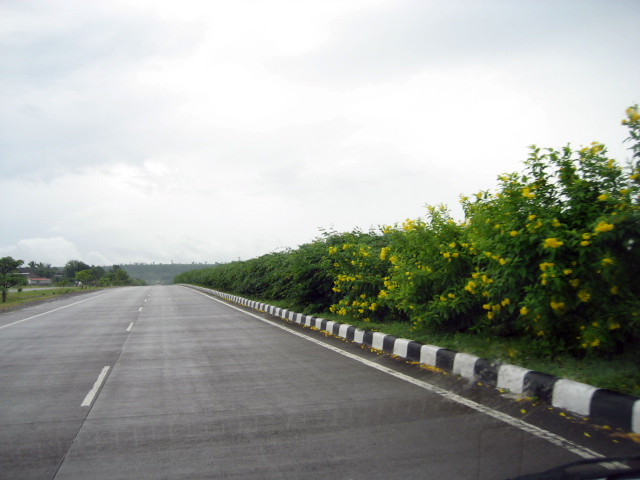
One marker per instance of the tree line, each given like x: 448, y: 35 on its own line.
x: 75, y: 272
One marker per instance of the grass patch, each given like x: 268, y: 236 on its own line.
x: 32, y: 295
x: 619, y: 374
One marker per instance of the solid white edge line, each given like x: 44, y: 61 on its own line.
x: 54, y: 310
x: 503, y: 417
x: 130, y: 327
x: 96, y: 386
x: 140, y: 309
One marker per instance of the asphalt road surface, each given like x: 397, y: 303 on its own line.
x: 164, y: 382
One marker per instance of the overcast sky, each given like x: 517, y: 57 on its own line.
x: 164, y: 130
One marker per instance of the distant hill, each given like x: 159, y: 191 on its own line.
x: 161, y: 272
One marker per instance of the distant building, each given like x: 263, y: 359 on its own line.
x: 33, y: 280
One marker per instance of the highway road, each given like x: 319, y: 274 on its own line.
x: 165, y: 382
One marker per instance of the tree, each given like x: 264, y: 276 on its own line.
x: 8, y: 277
x: 120, y: 277
x: 84, y: 277
x: 74, y: 266
x: 45, y: 270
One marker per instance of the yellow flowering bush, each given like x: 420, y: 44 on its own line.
x: 428, y: 278
x: 529, y: 258
x: 360, y: 268
x: 551, y: 255
x: 578, y: 239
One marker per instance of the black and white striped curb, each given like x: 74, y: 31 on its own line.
x: 602, y: 405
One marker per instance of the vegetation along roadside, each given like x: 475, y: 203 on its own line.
x: 541, y: 272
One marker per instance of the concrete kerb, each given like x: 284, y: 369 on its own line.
x: 612, y: 408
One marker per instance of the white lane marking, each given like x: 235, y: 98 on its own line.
x: 54, y: 310
x: 140, y: 309
x: 146, y: 299
x: 503, y: 417
x: 96, y: 386
x: 129, y: 327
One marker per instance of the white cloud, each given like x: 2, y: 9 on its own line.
x: 146, y: 130
x: 56, y: 250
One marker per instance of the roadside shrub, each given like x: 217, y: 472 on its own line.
x: 430, y: 262
x: 360, y: 273
x: 560, y: 242
x: 550, y: 256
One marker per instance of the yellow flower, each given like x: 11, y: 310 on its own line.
x: 557, y: 305
x: 567, y: 271
x: 531, y: 217
x: 584, y: 295
x: 556, y: 222
x: 552, y: 243
x: 486, y: 306
x: 489, y: 315
x: 524, y: 311
x: 505, y: 302
x: 614, y: 290
x: 503, y: 261
x: 443, y: 299
x: 603, y: 227
x: 595, y: 343
x: 595, y: 324
x: 603, y: 197
x: 633, y: 114
x: 607, y: 261
x: 585, y: 243
x: 513, y: 233
x: 451, y: 295
x: 586, y: 236
x: 452, y: 245
x: 540, y: 333
x: 526, y: 192
x: 614, y: 326
x: 545, y: 265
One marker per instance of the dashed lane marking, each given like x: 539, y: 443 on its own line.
x: 96, y: 386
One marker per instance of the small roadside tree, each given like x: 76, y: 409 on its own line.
x: 74, y: 266
x: 8, y: 276
x: 84, y: 277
